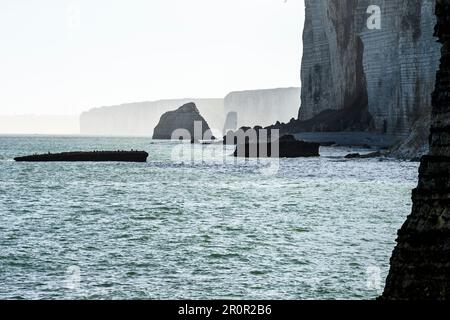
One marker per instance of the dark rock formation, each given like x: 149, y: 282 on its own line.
x: 246, y: 134
x: 375, y: 154
x: 415, y: 145
x: 420, y: 264
x: 288, y: 147
x: 95, y: 156
x: 184, y: 117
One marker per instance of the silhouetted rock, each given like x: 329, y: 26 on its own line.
x: 364, y: 156
x: 420, y: 263
x: 288, y: 147
x: 182, y: 118
x: 232, y: 137
x: 94, y: 156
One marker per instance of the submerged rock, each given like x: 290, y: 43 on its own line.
x: 185, y: 118
x: 420, y: 263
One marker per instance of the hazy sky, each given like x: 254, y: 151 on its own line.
x: 64, y: 57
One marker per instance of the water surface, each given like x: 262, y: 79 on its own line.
x: 321, y: 228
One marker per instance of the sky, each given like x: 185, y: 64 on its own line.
x: 61, y: 57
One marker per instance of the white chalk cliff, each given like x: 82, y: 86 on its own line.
x: 388, y: 71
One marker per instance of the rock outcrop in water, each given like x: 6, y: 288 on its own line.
x: 287, y: 147
x: 94, y: 156
x: 360, y: 79
x: 420, y: 264
x: 184, y: 117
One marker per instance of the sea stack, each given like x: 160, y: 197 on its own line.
x: 185, y: 118
x: 420, y: 264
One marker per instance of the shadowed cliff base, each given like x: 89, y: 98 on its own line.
x: 349, y: 139
x: 420, y: 263
x: 351, y: 119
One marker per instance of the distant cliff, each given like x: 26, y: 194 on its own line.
x: 388, y: 72
x: 141, y: 118
x: 256, y: 107
x: 263, y: 107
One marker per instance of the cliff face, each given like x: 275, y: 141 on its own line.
x: 389, y: 72
x: 420, y: 264
x: 182, y: 118
x: 263, y: 107
x: 332, y: 65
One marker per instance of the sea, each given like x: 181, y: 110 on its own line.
x: 195, y: 223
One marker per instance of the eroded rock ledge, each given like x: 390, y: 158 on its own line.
x: 420, y: 264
